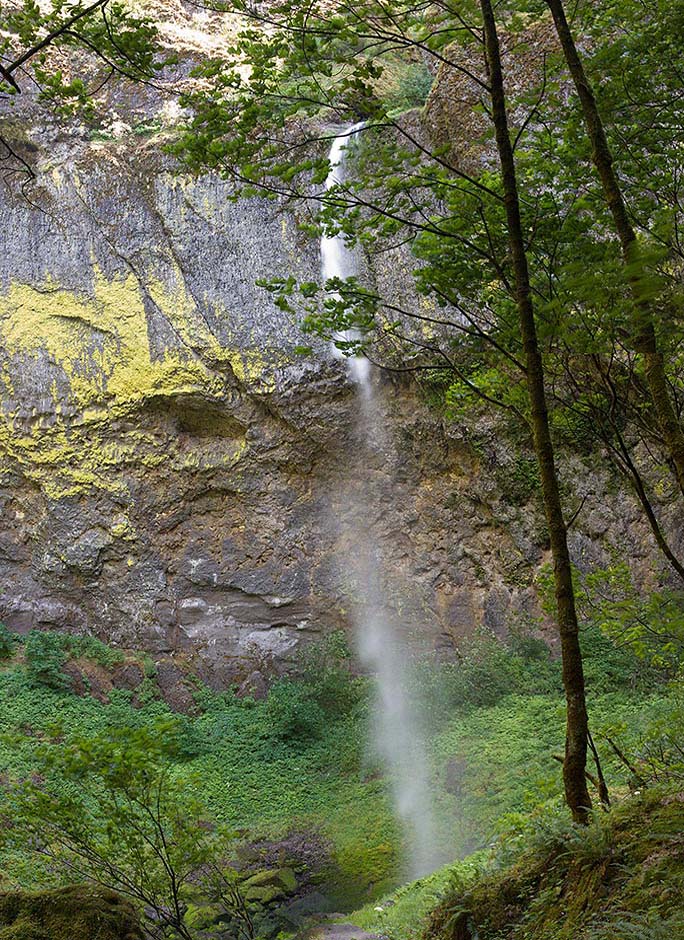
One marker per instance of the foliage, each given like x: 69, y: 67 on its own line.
x: 652, y: 624
x: 328, y: 679
x: 500, y: 720
x: 112, y: 809
x: 632, y: 632
x: 47, y: 651
x: 45, y: 655
x: 294, y: 714
x: 487, y: 670
x: 409, y: 89
x: 519, y: 481
x: 250, y: 777
x: 121, y: 40
x: 566, y: 883
x: 656, y: 755
x: 8, y: 642
x: 402, y: 915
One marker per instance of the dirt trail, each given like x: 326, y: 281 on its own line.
x: 342, y: 931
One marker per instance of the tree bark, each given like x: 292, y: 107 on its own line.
x: 644, y: 335
x: 574, y: 764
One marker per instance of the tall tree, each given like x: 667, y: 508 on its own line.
x: 644, y: 335
x: 574, y: 767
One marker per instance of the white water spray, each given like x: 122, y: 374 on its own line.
x: 397, y: 735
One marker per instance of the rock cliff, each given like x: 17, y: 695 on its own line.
x: 173, y: 471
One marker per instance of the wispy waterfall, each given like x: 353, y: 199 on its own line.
x: 396, y: 729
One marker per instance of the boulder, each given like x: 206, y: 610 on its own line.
x: 284, y: 878
x: 73, y: 913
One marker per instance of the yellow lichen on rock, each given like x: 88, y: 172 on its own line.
x: 94, y: 351
x: 101, y: 341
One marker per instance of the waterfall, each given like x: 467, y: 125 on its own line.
x: 397, y: 736
x: 337, y: 259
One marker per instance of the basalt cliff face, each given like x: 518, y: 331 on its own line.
x: 173, y: 472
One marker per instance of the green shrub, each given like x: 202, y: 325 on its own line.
x: 45, y: 657
x: 91, y: 648
x: 411, y: 88
x: 292, y: 714
x: 124, y: 816
x: 628, y: 925
x: 8, y: 641
x: 46, y: 652
x: 328, y: 678
x: 488, y: 670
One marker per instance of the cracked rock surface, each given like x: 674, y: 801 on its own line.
x: 176, y: 478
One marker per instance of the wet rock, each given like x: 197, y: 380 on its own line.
x: 128, y: 676
x: 174, y: 687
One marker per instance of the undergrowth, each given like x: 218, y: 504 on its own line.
x: 299, y: 761
x: 620, y: 877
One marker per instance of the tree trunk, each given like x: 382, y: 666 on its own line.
x: 644, y: 334
x: 574, y: 765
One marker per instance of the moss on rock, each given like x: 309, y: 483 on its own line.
x: 73, y: 913
x: 281, y: 877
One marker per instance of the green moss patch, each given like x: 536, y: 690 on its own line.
x: 74, y: 913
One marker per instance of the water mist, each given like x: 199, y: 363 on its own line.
x: 397, y: 736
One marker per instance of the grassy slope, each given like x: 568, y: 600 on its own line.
x: 256, y: 776
x: 620, y: 879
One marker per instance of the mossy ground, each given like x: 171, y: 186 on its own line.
x: 621, y: 878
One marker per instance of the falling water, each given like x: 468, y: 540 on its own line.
x: 337, y: 259
x: 396, y: 731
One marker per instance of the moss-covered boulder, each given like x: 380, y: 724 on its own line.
x: 203, y: 916
x: 74, y: 913
x: 277, y: 877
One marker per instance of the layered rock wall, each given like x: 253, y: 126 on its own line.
x: 174, y: 474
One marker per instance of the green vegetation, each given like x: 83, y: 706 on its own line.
x: 114, y: 810
x: 622, y: 876
x: 8, y: 641
x: 123, y: 41
x: 532, y: 167
x: 546, y: 879
x: 74, y: 913
x: 297, y: 762
x: 293, y: 763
